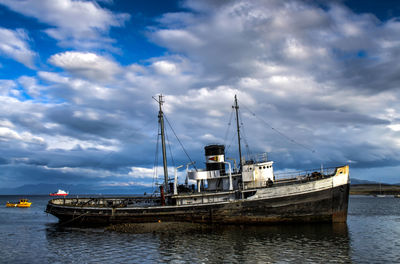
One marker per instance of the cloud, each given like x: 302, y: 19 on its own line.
x: 120, y: 184
x: 86, y: 65
x: 8, y: 87
x: 14, y: 44
x: 73, y: 23
x: 139, y: 172
x: 165, y: 67
x: 177, y: 40
x: 307, y: 79
x: 241, y: 39
x: 31, y: 86
x: 7, y: 133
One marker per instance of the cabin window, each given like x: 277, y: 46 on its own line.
x: 264, y: 167
x: 260, y: 167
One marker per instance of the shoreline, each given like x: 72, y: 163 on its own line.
x: 374, y: 189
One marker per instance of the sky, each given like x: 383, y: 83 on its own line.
x: 318, y: 84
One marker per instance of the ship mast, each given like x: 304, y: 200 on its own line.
x: 236, y: 106
x: 164, y: 153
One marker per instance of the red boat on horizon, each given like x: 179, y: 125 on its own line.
x: 59, y: 193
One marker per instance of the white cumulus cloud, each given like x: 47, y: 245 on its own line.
x: 14, y: 44
x: 73, y: 23
x: 87, y: 65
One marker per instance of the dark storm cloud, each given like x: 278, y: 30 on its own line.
x: 77, y: 122
x: 333, y: 117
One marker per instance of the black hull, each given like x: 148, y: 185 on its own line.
x: 328, y: 205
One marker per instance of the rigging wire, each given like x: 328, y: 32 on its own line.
x: 249, y: 154
x: 230, y: 144
x: 228, y: 128
x: 180, y: 143
x: 169, y: 147
x: 279, y: 132
x: 108, y: 155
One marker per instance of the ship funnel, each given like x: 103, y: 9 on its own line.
x: 215, y: 158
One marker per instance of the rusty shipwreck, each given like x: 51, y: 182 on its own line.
x: 251, y: 193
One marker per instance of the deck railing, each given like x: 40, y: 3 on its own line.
x: 257, y: 158
x: 298, y: 175
x: 106, y: 201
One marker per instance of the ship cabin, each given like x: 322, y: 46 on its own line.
x: 215, y: 183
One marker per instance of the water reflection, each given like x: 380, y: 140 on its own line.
x: 220, y: 244
x: 283, y: 243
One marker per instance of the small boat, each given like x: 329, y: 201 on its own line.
x: 8, y: 204
x: 23, y: 203
x: 59, y: 193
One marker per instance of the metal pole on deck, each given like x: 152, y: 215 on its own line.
x: 176, y: 180
x: 187, y: 171
x: 230, y: 176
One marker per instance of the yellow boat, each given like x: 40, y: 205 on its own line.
x: 22, y: 203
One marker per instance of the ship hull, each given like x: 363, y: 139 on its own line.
x: 329, y: 205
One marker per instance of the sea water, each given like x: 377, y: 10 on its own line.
x: 371, y: 235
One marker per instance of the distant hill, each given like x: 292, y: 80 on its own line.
x: 375, y: 189
x: 45, y: 189
x: 364, y: 187
x: 354, y: 181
